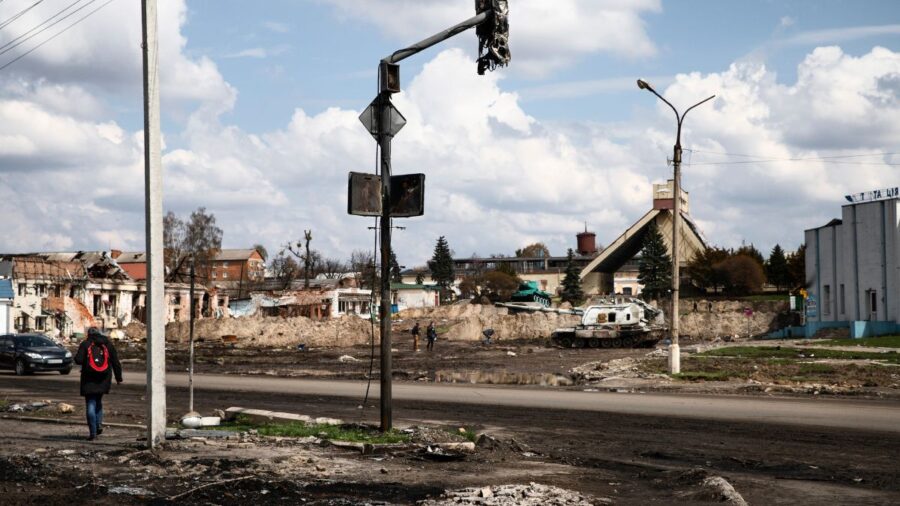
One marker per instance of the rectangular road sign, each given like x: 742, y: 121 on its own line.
x: 364, y: 194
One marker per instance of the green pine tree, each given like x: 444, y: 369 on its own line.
x: 396, y: 277
x: 420, y: 279
x: 441, y: 267
x: 777, y: 268
x: 571, y: 285
x: 655, y: 265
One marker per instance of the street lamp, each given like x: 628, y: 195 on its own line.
x: 674, y: 351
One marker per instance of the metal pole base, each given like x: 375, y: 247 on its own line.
x: 674, y: 359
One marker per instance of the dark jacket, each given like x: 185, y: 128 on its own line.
x: 92, y: 382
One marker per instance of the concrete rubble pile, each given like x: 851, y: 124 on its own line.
x: 627, y: 367
x: 276, y: 331
x: 467, y: 321
x: 259, y: 331
x: 532, y: 494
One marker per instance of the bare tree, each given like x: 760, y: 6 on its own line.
x: 199, y: 237
x: 309, y: 258
x: 363, y: 265
x: 331, y: 268
x: 285, y: 269
x: 173, y: 242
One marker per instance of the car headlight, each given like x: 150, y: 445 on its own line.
x: 68, y: 354
x: 36, y: 356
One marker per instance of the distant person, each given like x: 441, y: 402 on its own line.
x: 99, y: 362
x: 488, y: 336
x: 415, y: 334
x: 431, y: 334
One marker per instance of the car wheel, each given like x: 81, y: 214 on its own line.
x: 21, y: 370
x: 65, y: 372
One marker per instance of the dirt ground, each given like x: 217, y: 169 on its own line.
x: 626, y: 459
x: 460, y: 361
x: 605, y: 457
x: 535, y: 362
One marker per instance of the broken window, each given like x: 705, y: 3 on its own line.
x: 40, y: 290
x: 22, y: 289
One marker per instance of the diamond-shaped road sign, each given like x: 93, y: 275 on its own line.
x: 369, y: 119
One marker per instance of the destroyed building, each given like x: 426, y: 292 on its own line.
x: 62, y: 294
x: 324, y: 298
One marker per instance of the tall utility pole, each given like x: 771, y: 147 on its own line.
x: 493, y: 39
x: 155, y: 299
x: 674, y: 350
x: 193, y: 310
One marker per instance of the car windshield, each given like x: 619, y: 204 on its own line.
x: 35, y: 341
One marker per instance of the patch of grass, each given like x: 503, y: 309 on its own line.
x: 4, y: 404
x: 719, y: 375
x: 799, y: 353
x: 353, y: 434
x: 881, y: 342
x: 817, y: 369
x: 469, y: 434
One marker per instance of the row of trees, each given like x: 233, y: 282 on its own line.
x: 716, y: 270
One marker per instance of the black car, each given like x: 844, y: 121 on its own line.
x: 27, y: 353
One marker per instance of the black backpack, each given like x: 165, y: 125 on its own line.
x: 98, y: 357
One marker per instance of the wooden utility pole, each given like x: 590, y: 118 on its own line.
x: 155, y: 302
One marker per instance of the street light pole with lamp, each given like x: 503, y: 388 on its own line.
x: 674, y: 350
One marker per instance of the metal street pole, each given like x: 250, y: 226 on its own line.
x: 384, y: 144
x: 674, y: 350
x: 155, y: 299
x: 191, y: 344
x: 492, y: 40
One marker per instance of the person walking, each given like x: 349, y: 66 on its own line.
x: 415, y: 334
x: 99, y: 363
x: 431, y: 334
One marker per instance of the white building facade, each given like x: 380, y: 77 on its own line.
x: 853, y: 269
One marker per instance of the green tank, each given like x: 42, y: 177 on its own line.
x: 529, y: 292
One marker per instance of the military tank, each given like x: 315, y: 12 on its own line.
x: 614, y: 323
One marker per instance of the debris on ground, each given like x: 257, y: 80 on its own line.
x: 533, y: 494
x: 724, y: 491
x: 627, y: 367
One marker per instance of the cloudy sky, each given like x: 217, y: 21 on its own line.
x: 260, y: 105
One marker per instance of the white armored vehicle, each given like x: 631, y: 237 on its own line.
x: 614, y: 323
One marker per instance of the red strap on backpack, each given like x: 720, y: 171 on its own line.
x: 102, y: 367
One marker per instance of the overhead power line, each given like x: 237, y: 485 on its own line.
x: 835, y: 159
x: 19, y: 14
x: 57, y: 34
x: 37, y: 30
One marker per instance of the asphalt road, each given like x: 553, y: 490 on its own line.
x: 815, y: 412
x: 638, y: 447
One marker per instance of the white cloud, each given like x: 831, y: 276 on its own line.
x: 253, y: 52
x: 843, y: 34
x: 497, y: 177
x: 544, y: 36
x: 104, y: 52
x: 783, y: 175
x: 277, y: 27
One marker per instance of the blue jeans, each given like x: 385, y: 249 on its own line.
x: 94, y: 411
